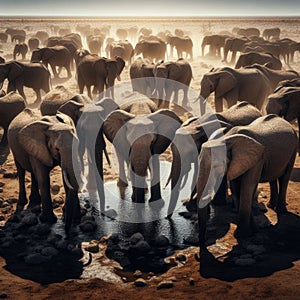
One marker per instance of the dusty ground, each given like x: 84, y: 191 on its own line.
x: 275, y: 276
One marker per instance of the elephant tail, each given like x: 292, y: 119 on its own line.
x: 107, y: 157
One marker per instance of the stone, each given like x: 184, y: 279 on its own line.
x: 49, y: 251
x: 135, y: 238
x: 55, y: 189
x: 2, y: 218
x: 35, y: 259
x: 115, y: 238
x: 110, y: 213
x: 14, y: 219
x: 166, y: 284
x: 77, y: 252
x: 12, y: 200
x: 93, y: 248
x: 10, y: 174
x: 88, y: 226
x: 142, y: 246
x: 256, y: 249
x: 180, y: 257
x: 30, y: 219
x: 245, y: 262
x: 3, y: 296
x: 52, y: 239
x: 191, y: 281
x: 42, y: 229
x: 140, y: 282
x: 161, y: 241
x: 61, y: 245
x: 137, y: 274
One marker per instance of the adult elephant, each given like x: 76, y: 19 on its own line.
x: 285, y: 103
x: 99, y: 72
x: 95, y: 46
x: 122, y: 49
x: 122, y: 34
x: 11, y: 105
x: 57, y: 56
x: 274, y: 76
x: 187, y: 144
x: 38, y: 145
x: 235, y: 85
x: 234, y: 45
x: 18, y: 38
x: 12, y: 32
x: 271, y: 33
x: 89, y: 119
x: 140, y: 133
x: 32, y: 75
x: 171, y: 77
x: 153, y: 50
x: 142, y: 76
x: 215, y: 43
x: 182, y: 45
x: 254, y: 155
x: 247, y: 32
x: 287, y: 83
x: 42, y: 36
x: 20, y: 49
x: 3, y: 37
x: 79, y: 55
x: 33, y: 43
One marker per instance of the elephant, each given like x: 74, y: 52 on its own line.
x: 274, y: 76
x: 3, y: 37
x: 247, y: 155
x: 12, y: 32
x: 32, y: 75
x: 287, y: 83
x: 89, y: 119
x: 18, y: 38
x: 145, y: 31
x: 38, y: 145
x: 20, y: 49
x: 42, y: 36
x: 250, y: 58
x: 271, y: 33
x: 96, y: 71
x: 95, y: 46
x: 142, y: 77
x: 11, y: 105
x: 33, y: 43
x: 188, y: 141
x: 57, y: 56
x: 247, y: 32
x: 122, y: 49
x: 153, y: 50
x: 79, y: 55
x: 2, y: 60
x: 235, y: 85
x: 286, y: 103
x: 140, y: 133
x: 122, y: 33
x: 181, y: 44
x: 171, y: 77
x: 132, y: 33
x: 234, y: 45
x: 215, y: 43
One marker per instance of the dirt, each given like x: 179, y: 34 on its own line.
x: 276, y: 271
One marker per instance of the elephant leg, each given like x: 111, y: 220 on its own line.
x: 233, y: 57
x: 88, y: 87
x: 99, y: 178
x: 155, y: 179
x: 220, y: 197
x: 175, y: 98
x: 299, y: 135
x: 274, y: 194
x: 235, y: 187
x: 185, y: 96
x: 22, y: 200
x: 38, y: 96
x: 203, y: 216
x: 68, y: 69
x: 218, y: 104
x: 35, y: 197
x: 53, y: 67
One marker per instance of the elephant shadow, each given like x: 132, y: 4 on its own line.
x: 272, y: 249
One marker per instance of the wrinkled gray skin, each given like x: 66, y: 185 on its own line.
x: 286, y: 103
x: 215, y: 43
x: 140, y: 133
x: 235, y: 85
x: 153, y: 50
x: 234, y: 45
x: 88, y: 119
x: 38, y: 145
x: 10, y: 106
x: 32, y: 75
x: 188, y: 141
x: 287, y: 83
x: 263, y: 151
x: 171, y: 77
x: 20, y: 49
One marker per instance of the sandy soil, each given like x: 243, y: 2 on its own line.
x: 275, y: 276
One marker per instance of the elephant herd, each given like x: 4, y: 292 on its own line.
x: 248, y: 143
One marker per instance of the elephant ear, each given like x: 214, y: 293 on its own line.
x: 114, y: 122
x: 245, y: 154
x: 15, y: 71
x: 72, y: 109
x: 64, y: 118
x: 108, y: 104
x: 167, y: 122
x: 226, y: 82
x: 33, y: 139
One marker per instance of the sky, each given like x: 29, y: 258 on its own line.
x: 139, y: 8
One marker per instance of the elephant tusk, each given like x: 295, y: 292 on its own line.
x: 107, y: 157
x: 67, y: 182
x: 167, y: 182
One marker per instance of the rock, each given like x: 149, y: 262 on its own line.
x: 42, y: 229
x: 3, y: 296
x: 77, y: 252
x: 36, y: 209
x: 142, y: 246
x: 14, y: 219
x: 110, y: 213
x: 115, y: 238
x: 245, y: 262
x: 52, y: 239
x: 87, y: 218
x: 35, y: 259
x: 180, y: 257
x: 2, y: 218
x: 191, y: 281
x: 191, y: 240
x: 61, y: 245
x: 49, y: 251
x: 88, y: 226
x: 12, y: 200
x: 135, y: 238
x: 256, y: 249
x: 186, y: 214
x: 161, y: 241
x: 140, y: 282
x: 261, y: 221
x: 30, y: 219
x: 93, y: 248
x: 10, y: 174
x: 167, y: 284
x: 21, y: 238
x: 245, y: 256
x: 55, y: 189
x: 173, y: 278
x: 137, y: 274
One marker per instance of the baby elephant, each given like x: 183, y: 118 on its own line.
x: 263, y: 151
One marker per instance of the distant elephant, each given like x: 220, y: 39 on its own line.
x: 181, y: 44
x: 253, y: 154
x: 132, y: 33
x: 122, y: 49
x: 20, y: 49
x: 247, y: 32
x: 153, y: 50
x: 145, y: 31
x: 57, y: 56
x: 274, y: 76
x: 122, y: 33
x: 140, y: 133
x: 293, y: 48
x: 3, y: 37
x: 99, y: 72
x: 142, y: 77
x: 271, y: 33
x: 33, y: 43
x: 18, y: 38
x: 234, y: 45
x: 88, y: 119
x: 215, y: 43
x: 38, y: 145
x: 12, y: 32
x: 171, y: 77
x: 286, y: 103
x: 95, y: 45
x: 32, y: 75
x: 250, y: 58
x: 188, y: 141
x: 79, y: 55
x: 235, y: 85
x: 42, y: 36
x: 11, y: 105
